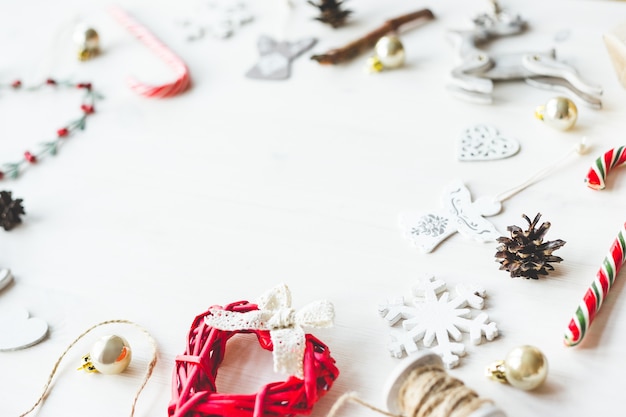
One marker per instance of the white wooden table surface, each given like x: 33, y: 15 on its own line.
x: 160, y: 209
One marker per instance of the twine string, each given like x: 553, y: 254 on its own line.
x: 428, y: 391
x: 353, y: 397
x: 147, y: 376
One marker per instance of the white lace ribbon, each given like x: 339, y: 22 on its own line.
x: 284, y: 323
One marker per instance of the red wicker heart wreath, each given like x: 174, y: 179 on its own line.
x: 195, y: 393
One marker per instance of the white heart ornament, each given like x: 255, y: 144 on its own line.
x: 19, y: 331
x: 484, y: 143
x: 5, y: 277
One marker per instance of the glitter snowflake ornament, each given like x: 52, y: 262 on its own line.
x: 433, y: 315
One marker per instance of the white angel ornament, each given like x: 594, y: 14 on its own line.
x: 458, y: 214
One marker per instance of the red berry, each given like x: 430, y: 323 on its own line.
x: 50, y: 81
x: 1, y: 175
x: 16, y: 84
x: 86, y: 86
x: 30, y: 157
x: 63, y: 132
x: 88, y: 109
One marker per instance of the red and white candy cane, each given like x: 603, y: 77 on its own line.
x: 603, y: 165
x: 144, y: 35
x: 597, y: 292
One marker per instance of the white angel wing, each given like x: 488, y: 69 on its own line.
x: 294, y: 49
x: 468, y: 215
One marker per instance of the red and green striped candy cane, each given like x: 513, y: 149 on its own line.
x: 596, y: 293
x: 600, y: 169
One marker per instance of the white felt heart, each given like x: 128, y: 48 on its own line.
x: 19, y: 331
x: 5, y: 277
x: 484, y: 143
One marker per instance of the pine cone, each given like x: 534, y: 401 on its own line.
x: 331, y: 12
x: 525, y: 254
x: 10, y: 210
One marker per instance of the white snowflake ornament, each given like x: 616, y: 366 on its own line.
x: 220, y: 21
x: 432, y: 315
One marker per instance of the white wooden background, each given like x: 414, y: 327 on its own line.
x: 161, y: 209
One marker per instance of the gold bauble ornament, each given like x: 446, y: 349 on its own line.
x: 524, y: 367
x: 389, y: 54
x: 88, y: 42
x: 558, y: 112
x: 109, y: 355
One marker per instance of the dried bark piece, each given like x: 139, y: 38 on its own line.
x: 359, y: 46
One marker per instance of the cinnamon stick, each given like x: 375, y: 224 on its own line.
x: 357, y: 47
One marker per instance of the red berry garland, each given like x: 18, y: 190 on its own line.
x: 195, y: 392
x: 13, y: 169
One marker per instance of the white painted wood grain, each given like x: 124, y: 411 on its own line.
x: 161, y: 209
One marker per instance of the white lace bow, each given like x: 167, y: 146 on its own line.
x: 284, y: 323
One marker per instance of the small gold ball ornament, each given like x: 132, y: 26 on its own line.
x: 524, y: 367
x: 559, y: 112
x: 390, y: 51
x: 389, y: 54
x: 109, y: 355
x: 88, y: 42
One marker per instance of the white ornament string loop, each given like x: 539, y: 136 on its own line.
x: 580, y: 149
